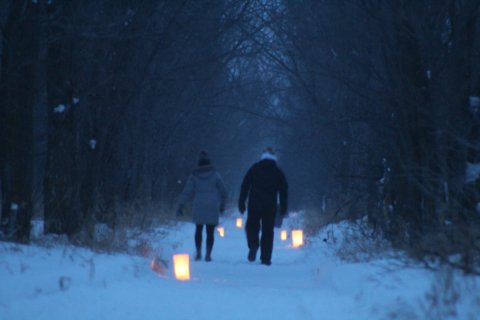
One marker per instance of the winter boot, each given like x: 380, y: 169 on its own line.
x: 208, y: 256
x: 252, y: 255
x: 198, y: 255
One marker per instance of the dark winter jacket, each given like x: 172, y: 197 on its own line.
x: 206, y: 188
x: 264, y: 183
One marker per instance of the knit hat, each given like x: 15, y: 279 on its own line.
x: 269, y: 153
x: 203, y: 158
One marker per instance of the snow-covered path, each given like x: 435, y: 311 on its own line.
x: 301, y: 283
x: 65, y: 282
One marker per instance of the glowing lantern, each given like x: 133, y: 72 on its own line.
x: 221, y: 231
x: 239, y: 222
x: 297, y: 238
x: 181, y: 266
x: 283, y: 235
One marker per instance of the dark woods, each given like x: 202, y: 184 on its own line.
x: 106, y: 103
x: 372, y: 104
x: 392, y: 89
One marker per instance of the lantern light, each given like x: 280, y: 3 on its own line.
x: 297, y: 238
x: 181, y: 265
x: 239, y: 222
x: 221, y: 231
x: 283, y: 235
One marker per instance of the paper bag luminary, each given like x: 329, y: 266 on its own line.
x: 181, y: 266
x: 297, y: 238
x: 239, y: 222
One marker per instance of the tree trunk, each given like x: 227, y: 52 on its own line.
x: 18, y: 92
x: 61, y: 190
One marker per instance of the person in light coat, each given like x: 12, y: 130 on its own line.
x: 206, y: 190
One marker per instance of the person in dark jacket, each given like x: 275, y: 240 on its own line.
x: 205, y: 186
x: 263, y: 184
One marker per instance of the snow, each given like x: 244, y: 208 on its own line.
x: 474, y: 101
x: 60, y: 108
x: 60, y: 281
x: 92, y: 143
x: 472, y: 172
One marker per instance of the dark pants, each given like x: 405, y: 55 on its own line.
x: 265, y: 221
x: 210, y: 238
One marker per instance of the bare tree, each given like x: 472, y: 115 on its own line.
x: 18, y: 92
x: 403, y: 73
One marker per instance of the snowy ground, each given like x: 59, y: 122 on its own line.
x: 65, y: 282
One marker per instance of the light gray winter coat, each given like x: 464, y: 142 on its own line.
x: 206, y: 188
